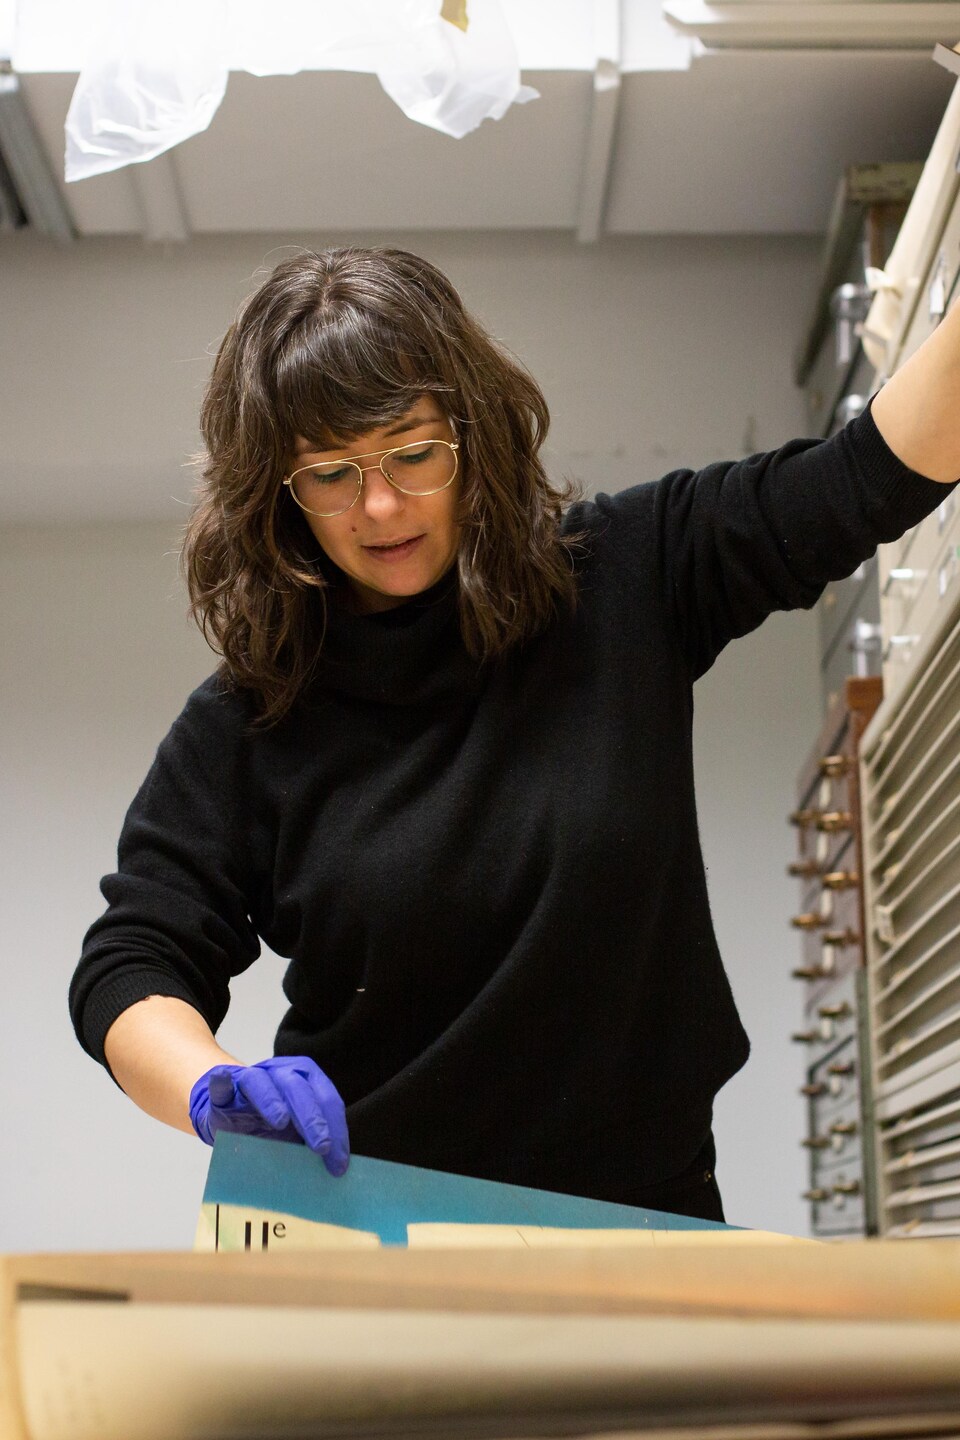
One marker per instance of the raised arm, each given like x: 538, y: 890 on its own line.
x: 918, y: 410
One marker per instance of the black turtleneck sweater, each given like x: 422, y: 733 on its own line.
x: 488, y: 883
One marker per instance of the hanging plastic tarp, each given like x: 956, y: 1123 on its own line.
x: 156, y: 75
x: 158, y: 69
x: 452, y: 79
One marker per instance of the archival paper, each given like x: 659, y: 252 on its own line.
x: 211, y: 1372
x: 435, y: 1236
x: 238, y: 1227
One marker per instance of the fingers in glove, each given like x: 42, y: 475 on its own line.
x: 261, y: 1093
x: 220, y: 1087
x: 317, y: 1111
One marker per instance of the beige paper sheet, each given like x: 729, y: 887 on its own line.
x: 435, y: 1236
x: 858, y: 1279
x: 207, y: 1372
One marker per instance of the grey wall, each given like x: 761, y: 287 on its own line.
x: 652, y: 353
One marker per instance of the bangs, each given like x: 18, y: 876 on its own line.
x: 340, y: 374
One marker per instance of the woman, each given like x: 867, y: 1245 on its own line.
x: 445, y: 765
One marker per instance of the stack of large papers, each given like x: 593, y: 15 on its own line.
x: 720, y: 1341
x: 508, y: 1313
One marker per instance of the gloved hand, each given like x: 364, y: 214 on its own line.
x: 287, y: 1097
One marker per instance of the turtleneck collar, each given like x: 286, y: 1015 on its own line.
x: 411, y: 654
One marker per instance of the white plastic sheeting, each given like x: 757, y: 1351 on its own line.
x: 157, y: 70
x: 8, y: 28
x: 155, y: 76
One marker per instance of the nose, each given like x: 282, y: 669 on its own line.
x: 380, y: 500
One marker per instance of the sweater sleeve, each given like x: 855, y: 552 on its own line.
x: 177, y: 920
x: 740, y: 540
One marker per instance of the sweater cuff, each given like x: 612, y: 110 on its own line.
x: 114, y: 995
x: 901, y: 491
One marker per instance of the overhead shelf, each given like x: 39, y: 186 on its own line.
x: 800, y: 25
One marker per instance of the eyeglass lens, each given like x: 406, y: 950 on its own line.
x: 332, y: 486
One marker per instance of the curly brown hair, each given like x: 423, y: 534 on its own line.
x: 341, y: 341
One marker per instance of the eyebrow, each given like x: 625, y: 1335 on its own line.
x: 406, y: 422
x: 410, y: 422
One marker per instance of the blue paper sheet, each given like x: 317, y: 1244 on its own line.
x: 380, y: 1196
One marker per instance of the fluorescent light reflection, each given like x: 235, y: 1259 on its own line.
x: 54, y: 35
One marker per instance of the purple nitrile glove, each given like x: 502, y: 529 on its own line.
x: 287, y: 1097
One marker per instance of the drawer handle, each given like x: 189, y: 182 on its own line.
x: 841, y: 937
x: 841, y: 1067
x: 840, y: 880
x: 809, y: 921
x: 835, y: 1012
x: 847, y: 1187
x: 805, y: 1037
x: 816, y: 1087
x: 815, y: 1195
x: 803, y: 869
x: 843, y: 1127
x: 809, y: 972
x: 816, y: 1142
x: 803, y: 818
x: 834, y: 765
x: 833, y: 820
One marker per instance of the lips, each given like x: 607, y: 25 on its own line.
x: 395, y: 550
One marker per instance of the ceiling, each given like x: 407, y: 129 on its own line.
x: 742, y: 142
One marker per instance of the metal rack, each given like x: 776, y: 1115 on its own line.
x: 911, y: 818
x: 829, y: 864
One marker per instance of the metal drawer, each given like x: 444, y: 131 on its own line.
x: 898, y: 320
x: 911, y: 794
x: 915, y: 605
x: 921, y: 1171
x: 843, y: 604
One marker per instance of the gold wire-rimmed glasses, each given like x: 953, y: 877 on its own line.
x: 423, y: 467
